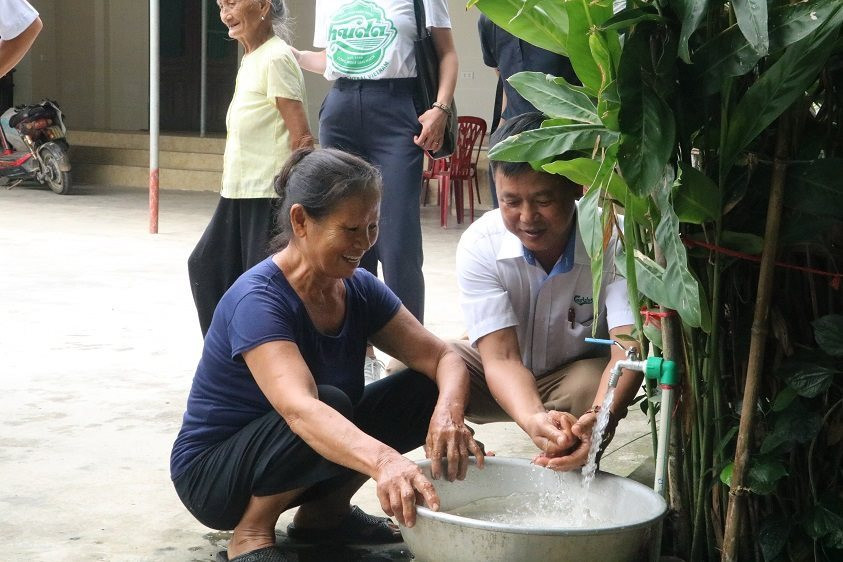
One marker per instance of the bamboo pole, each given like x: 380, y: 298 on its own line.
x: 757, y: 346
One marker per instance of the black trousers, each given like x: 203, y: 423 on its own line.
x: 376, y: 120
x: 266, y: 457
x: 236, y: 239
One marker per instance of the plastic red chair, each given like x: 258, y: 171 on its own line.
x: 460, y: 167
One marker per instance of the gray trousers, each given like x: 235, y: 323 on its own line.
x: 377, y: 119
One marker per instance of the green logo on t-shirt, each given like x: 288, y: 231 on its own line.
x: 358, y: 36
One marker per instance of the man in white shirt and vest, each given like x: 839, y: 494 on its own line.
x: 526, y: 294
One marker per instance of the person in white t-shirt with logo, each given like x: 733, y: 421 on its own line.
x: 368, y: 52
x: 527, y: 297
x: 19, y: 26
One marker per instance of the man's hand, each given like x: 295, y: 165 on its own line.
x: 577, y: 456
x: 552, y: 432
x: 450, y: 438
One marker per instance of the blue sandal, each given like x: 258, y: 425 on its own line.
x: 358, y: 527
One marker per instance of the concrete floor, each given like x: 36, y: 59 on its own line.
x: 98, y: 344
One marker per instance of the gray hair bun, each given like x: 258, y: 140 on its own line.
x: 279, y: 15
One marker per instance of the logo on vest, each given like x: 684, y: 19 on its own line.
x: 581, y: 300
x: 358, y: 37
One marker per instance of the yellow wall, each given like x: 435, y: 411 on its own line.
x: 92, y: 57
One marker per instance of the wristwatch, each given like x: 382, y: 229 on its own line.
x: 442, y: 106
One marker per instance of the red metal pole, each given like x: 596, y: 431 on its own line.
x: 153, y: 201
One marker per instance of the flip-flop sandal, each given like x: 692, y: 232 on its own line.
x: 358, y: 527
x: 266, y: 554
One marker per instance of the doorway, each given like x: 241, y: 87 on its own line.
x: 181, y: 66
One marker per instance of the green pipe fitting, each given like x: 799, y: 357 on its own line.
x: 663, y: 371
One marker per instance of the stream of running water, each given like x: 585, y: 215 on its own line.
x: 590, y: 468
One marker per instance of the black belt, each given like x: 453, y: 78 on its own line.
x: 392, y: 84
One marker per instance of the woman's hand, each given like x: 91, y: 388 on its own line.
x: 314, y: 61
x: 450, y: 438
x: 296, y: 54
x: 577, y: 455
x: 400, y: 485
x: 433, y: 129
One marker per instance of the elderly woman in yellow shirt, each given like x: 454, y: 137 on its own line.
x: 266, y: 121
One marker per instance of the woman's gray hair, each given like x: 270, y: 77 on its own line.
x: 280, y: 18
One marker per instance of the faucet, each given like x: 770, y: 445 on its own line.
x: 664, y: 372
x: 632, y: 361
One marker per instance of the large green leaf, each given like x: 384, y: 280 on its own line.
x: 773, y: 537
x: 778, y: 87
x: 630, y: 16
x: 555, y: 98
x: 742, y: 242
x: 816, y: 188
x: 608, y: 106
x: 551, y: 141
x: 691, y: 13
x: 808, y: 379
x: 762, y: 475
x: 726, y: 473
x: 596, y: 224
x: 682, y: 288
x: 797, y: 424
x: 650, y: 276
x: 730, y: 54
x: 646, y: 121
x: 581, y: 17
x: 697, y: 198
x: 589, y: 222
x: 602, y: 58
x: 584, y: 171
x: 828, y: 331
x: 825, y: 521
x: 752, y: 21
x: 545, y: 25
x: 783, y: 399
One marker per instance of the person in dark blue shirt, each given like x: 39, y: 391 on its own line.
x: 278, y: 415
x: 509, y: 55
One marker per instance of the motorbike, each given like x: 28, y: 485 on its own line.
x: 33, y: 146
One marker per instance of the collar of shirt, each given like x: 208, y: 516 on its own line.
x: 565, y: 261
x: 574, y: 253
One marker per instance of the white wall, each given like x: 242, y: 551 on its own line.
x: 93, y: 58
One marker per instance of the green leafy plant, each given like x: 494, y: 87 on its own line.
x: 714, y: 129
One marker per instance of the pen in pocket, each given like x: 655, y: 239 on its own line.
x: 572, y: 316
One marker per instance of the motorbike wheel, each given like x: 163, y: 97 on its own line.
x: 58, y: 181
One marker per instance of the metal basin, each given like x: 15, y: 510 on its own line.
x: 626, y: 529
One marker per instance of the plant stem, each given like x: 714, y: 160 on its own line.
x: 757, y: 344
x: 672, y: 350
x: 811, y: 451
